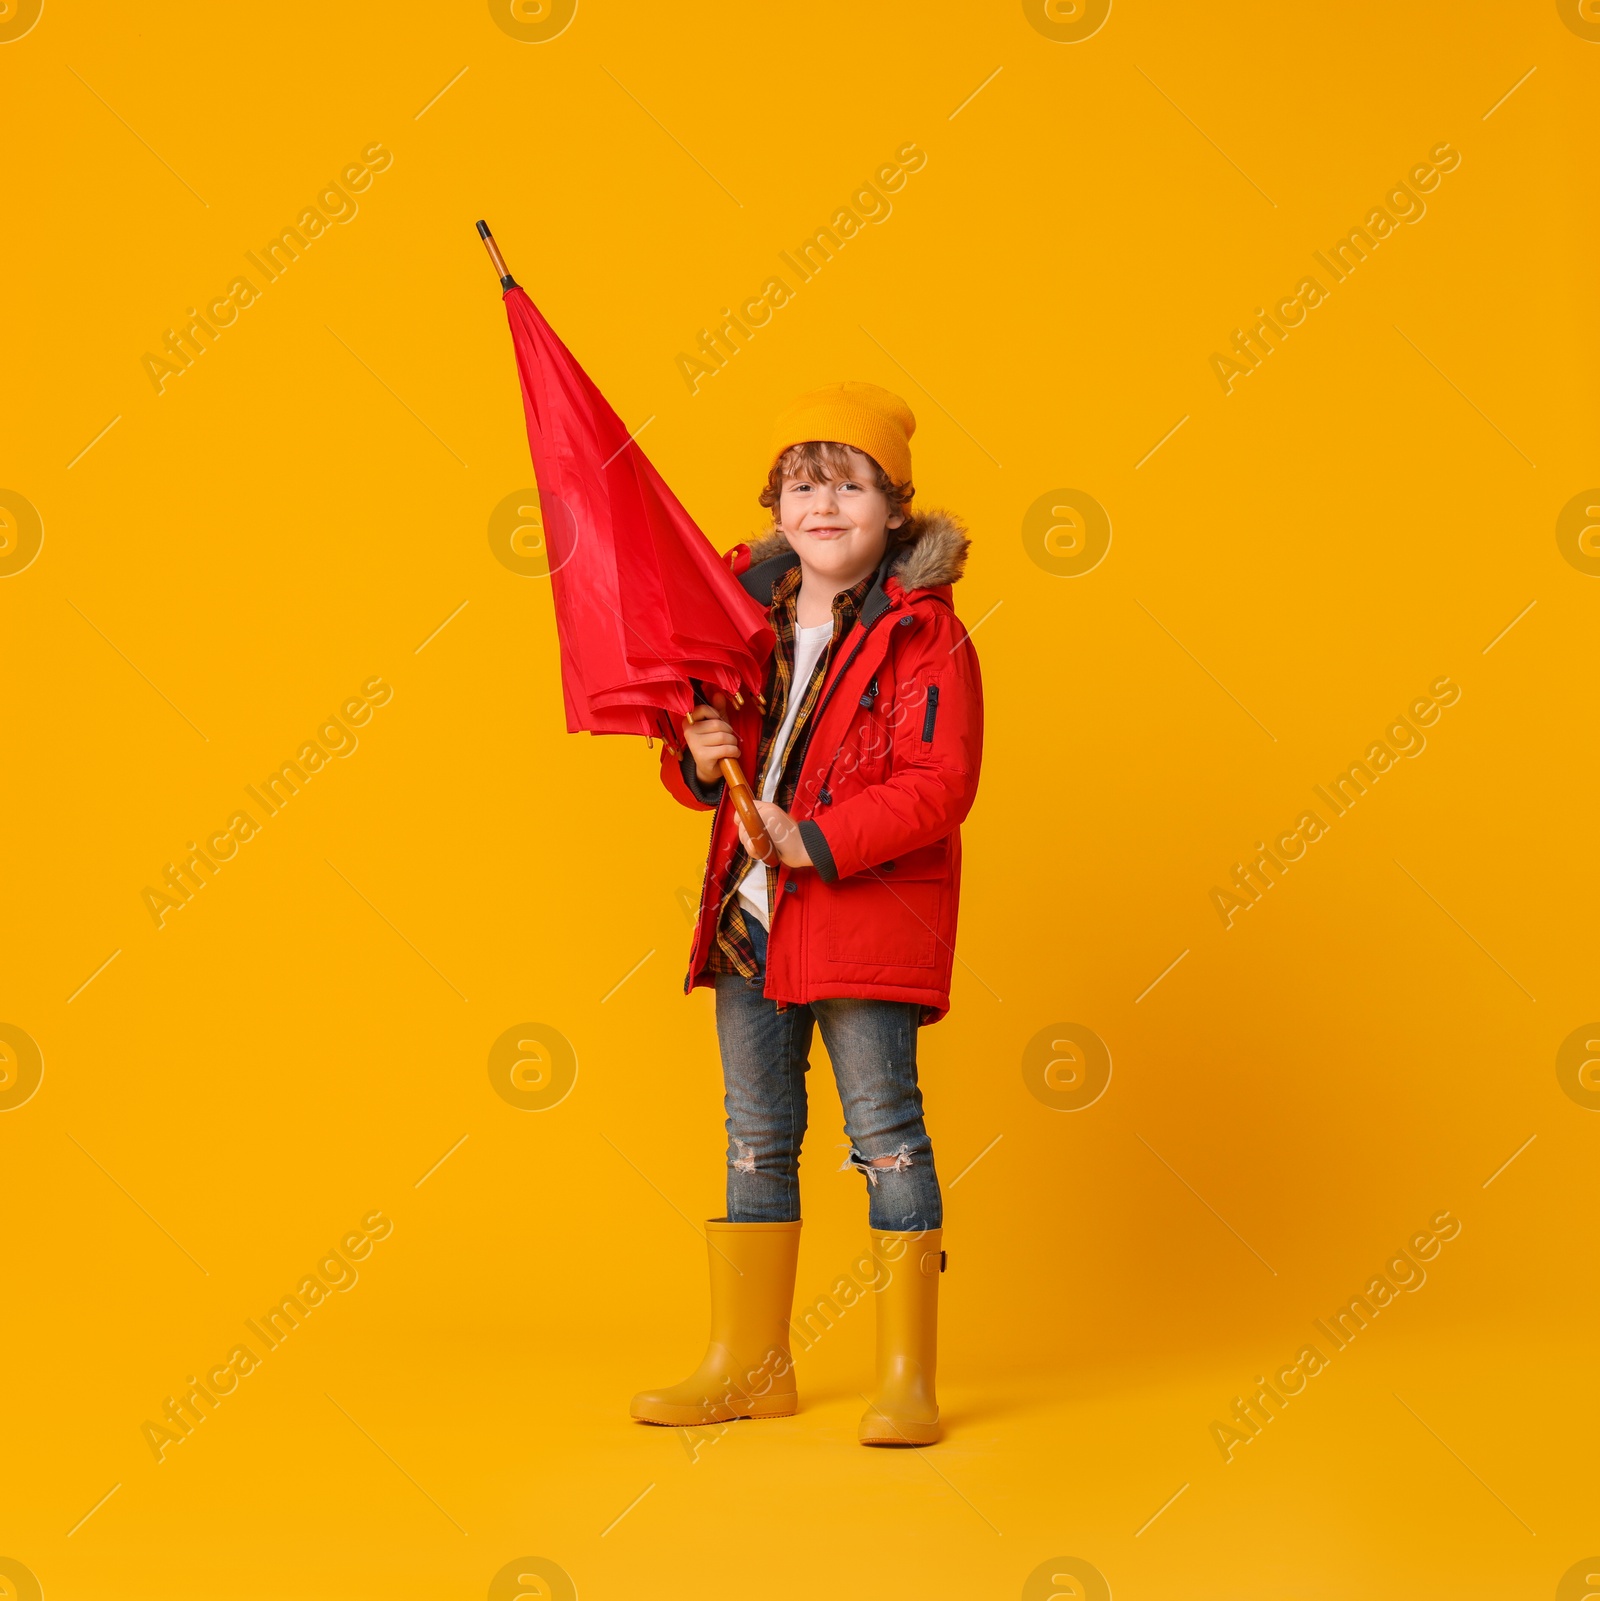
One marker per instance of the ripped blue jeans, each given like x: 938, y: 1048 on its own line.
x: 765, y: 1058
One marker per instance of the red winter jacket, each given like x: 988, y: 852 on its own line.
x: 888, y: 772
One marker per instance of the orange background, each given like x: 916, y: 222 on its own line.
x: 303, y: 508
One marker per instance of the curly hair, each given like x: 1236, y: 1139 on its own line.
x: 830, y: 461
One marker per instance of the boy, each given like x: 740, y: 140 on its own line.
x: 864, y: 762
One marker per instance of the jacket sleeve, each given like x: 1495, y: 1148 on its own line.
x: 683, y: 782
x: 937, y: 738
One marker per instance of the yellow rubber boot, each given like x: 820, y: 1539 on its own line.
x: 906, y: 1411
x: 747, y: 1371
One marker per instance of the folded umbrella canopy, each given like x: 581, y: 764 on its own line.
x: 648, y: 616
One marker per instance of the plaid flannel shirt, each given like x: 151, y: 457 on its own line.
x: 733, y: 951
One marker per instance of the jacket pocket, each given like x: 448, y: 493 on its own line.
x: 931, y: 715
x: 888, y: 915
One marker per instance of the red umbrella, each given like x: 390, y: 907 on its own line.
x: 648, y: 616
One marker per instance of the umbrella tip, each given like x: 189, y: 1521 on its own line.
x: 483, y: 229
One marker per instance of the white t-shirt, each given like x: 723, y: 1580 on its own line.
x: 809, y: 644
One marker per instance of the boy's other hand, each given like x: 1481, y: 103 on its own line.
x: 783, y: 831
x: 710, y: 738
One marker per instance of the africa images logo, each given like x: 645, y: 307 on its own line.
x: 869, y: 203
x: 334, y: 738
x: 1401, y: 204
x: 1402, y: 1272
x: 335, y: 1272
x: 1402, y: 737
x: 334, y: 203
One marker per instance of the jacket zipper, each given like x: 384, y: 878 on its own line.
x: 811, y: 728
x: 930, y: 716
x: 822, y: 705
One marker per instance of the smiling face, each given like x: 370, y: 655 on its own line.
x: 837, y: 520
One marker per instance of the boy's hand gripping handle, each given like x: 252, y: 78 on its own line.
x: 744, y: 803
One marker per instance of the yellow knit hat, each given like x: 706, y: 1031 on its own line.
x: 863, y: 415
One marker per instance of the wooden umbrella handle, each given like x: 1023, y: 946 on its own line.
x: 507, y: 282
x: 744, y: 803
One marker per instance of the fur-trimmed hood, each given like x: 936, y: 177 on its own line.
x: 935, y: 553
